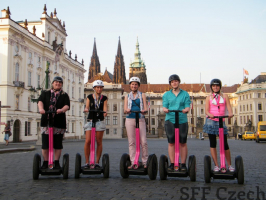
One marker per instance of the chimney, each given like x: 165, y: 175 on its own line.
x: 4, y: 12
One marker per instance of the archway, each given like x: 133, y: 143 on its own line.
x: 16, y: 131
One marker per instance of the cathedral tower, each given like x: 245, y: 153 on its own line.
x: 95, y: 66
x: 137, y: 67
x: 119, y: 67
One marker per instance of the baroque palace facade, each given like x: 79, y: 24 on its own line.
x: 25, y: 49
x: 248, y: 100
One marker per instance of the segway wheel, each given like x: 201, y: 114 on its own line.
x: 77, y: 165
x: 192, y: 168
x: 106, y: 166
x: 36, y: 166
x: 163, y: 164
x: 153, y: 167
x: 65, y: 166
x: 239, y: 169
x: 124, y: 164
x: 207, y: 169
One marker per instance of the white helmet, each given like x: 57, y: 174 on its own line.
x: 97, y: 83
x: 134, y: 79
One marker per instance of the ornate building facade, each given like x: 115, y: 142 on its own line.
x: 25, y: 49
x: 138, y: 67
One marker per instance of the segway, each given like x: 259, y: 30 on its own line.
x: 223, y: 173
x: 137, y: 167
x: 163, y: 164
x: 37, y: 158
x: 105, y: 158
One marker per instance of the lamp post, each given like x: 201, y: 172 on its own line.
x: 33, y: 91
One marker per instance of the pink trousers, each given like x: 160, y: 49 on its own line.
x: 131, y: 135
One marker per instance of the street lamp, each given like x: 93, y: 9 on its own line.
x: 38, y: 90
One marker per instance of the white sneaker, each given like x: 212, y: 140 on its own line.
x: 231, y: 168
x: 216, y: 169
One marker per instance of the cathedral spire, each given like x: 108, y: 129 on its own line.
x: 119, y: 50
x: 119, y: 67
x: 95, y: 66
x: 94, y: 52
x: 138, y: 67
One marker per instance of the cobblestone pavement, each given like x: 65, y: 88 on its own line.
x: 16, y: 176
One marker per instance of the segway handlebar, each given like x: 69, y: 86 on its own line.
x: 138, y: 111
x: 95, y: 111
x: 226, y: 116
x: 49, y: 112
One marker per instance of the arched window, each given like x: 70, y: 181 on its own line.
x: 17, y: 72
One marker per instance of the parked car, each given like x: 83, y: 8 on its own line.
x: 248, y: 135
x: 261, y: 131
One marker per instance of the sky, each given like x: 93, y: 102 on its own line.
x: 197, y: 39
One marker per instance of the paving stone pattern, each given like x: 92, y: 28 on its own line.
x: 16, y: 175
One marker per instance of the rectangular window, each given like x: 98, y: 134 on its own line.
x: 260, y: 118
x: 107, y: 120
x: 80, y: 111
x: 240, y: 108
x: 79, y: 92
x: 230, y: 121
x: 250, y: 96
x: 29, y: 78
x: 115, y: 131
x: 38, y: 81
x: 73, y: 111
x: 152, y: 111
x: 107, y: 107
x: 72, y: 92
x: 114, y: 120
x: 239, y: 98
x: 73, y: 127
x: 115, y: 107
x: 17, y: 102
x: 152, y: 121
x: 243, y: 107
x: 201, y: 102
x: 240, y: 119
x: 244, y: 119
x: 250, y: 106
x: 17, y: 72
x: 152, y: 102
x: 259, y: 95
x: 259, y: 106
x: 201, y: 111
x: 107, y: 131
x: 27, y: 128
x: 246, y: 96
x: 29, y: 99
x: 114, y: 96
x: 247, y: 107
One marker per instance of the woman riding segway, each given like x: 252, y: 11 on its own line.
x: 135, y: 106
x: 95, y: 101
x: 136, y: 101
x: 216, y: 103
x: 56, y: 102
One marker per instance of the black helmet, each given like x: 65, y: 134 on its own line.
x: 174, y: 77
x: 216, y: 81
x: 58, y: 78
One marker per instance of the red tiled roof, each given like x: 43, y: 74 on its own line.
x: 225, y: 89
x: 161, y: 88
